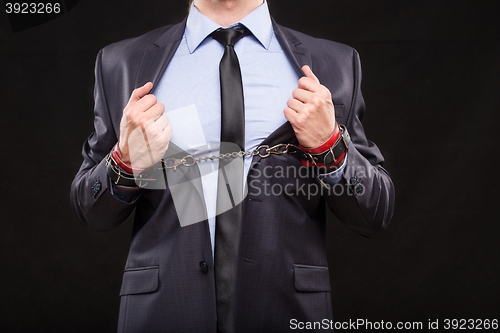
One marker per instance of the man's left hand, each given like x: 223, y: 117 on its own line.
x: 311, y: 111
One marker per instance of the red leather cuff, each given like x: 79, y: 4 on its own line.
x: 309, y: 164
x: 116, y: 155
x: 325, y: 146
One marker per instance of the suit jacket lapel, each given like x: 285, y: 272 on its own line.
x: 298, y: 56
x: 155, y: 60
x: 154, y: 63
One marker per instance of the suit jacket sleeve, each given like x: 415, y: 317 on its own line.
x: 91, y: 197
x: 366, y: 203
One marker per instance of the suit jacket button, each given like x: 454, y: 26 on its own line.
x: 95, y: 189
x: 359, y: 189
x: 204, y: 267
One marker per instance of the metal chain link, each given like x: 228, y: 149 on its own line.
x: 261, y: 151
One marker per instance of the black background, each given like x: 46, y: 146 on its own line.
x: 430, y: 81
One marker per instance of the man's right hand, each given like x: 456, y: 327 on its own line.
x: 144, y: 129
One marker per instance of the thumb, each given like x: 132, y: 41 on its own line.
x: 308, y: 73
x: 140, y: 92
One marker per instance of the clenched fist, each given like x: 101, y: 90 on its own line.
x: 144, y: 129
x: 311, y: 111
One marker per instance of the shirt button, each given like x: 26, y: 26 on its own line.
x: 204, y: 266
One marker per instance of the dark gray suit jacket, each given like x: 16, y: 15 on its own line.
x: 168, y: 284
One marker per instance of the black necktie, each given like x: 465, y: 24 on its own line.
x: 230, y: 190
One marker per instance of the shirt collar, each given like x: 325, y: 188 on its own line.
x: 198, y: 26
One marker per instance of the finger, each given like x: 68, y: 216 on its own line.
x: 160, y: 123
x: 156, y: 118
x: 138, y: 113
x: 165, y: 136
x: 302, y: 95
x: 309, y: 73
x: 291, y: 115
x: 140, y: 92
x: 136, y: 96
x: 146, y: 110
x: 306, y: 83
x: 154, y: 131
x: 295, y: 105
x: 144, y: 104
x: 155, y: 111
x: 168, y: 132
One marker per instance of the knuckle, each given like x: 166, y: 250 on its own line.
x: 308, y: 110
x: 163, y: 119
x: 160, y: 107
x: 137, y: 115
x: 125, y: 115
x: 316, y: 101
x: 168, y: 133
x: 300, y: 122
x: 133, y: 118
x: 329, y: 103
x: 326, y: 92
x: 153, y: 98
x: 143, y: 119
x: 150, y: 98
x: 165, y: 137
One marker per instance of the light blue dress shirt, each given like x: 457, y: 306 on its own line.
x: 190, y: 91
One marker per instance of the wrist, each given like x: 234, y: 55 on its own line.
x: 330, y: 155
x: 122, y: 153
x: 325, y: 145
x: 124, y: 163
x: 120, y: 174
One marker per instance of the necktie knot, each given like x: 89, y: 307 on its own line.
x: 230, y: 36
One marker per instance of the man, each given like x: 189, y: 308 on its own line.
x: 161, y: 102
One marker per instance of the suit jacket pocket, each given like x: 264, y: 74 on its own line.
x: 140, y: 280
x: 339, y: 110
x: 311, y: 278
